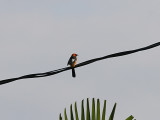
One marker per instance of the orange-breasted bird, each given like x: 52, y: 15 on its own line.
x: 72, y: 62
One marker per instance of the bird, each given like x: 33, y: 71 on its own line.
x: 72, y: 62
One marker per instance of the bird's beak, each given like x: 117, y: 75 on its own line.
x: 77, y: 54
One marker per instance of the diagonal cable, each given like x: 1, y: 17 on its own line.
x: 79, y: 65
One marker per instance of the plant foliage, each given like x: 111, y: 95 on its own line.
x: 91, y: 113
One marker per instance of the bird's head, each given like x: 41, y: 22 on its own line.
x: 74, y: 54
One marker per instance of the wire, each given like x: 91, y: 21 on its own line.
x: 79, y: 65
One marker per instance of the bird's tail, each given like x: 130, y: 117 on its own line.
x: 73, y: 72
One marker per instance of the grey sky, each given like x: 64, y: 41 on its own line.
x: 39, y: 36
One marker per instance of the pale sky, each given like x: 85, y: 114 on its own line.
x: 40, y: 35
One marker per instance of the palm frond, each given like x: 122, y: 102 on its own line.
x: 92, y: 113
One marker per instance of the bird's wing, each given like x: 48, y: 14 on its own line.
x: 69, y: 61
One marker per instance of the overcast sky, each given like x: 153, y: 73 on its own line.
x: 40, y: 35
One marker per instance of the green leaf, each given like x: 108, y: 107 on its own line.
x: 76, y: 111
x: 93, y: 109
x: 104, y: 111
x: 98, y: 109
x: 71, y: 112
x: 82, y: 111
x: 88, y: 111
x: 130, y: 118
x: 96, y: 114
x: 65, y: 114
x: 60, y: 117
x: 113, y: 112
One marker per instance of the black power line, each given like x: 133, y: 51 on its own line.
x: 78, y: 65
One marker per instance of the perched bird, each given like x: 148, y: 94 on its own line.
x: 72, y: 62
